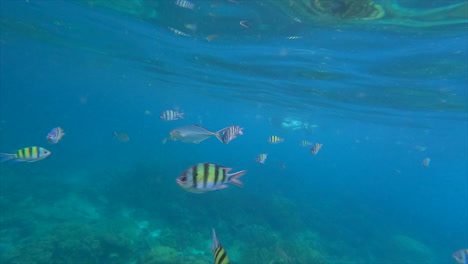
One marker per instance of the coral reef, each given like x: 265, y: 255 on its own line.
x: 72, y: 242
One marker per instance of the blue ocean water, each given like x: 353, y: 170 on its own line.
x: 380, y: 93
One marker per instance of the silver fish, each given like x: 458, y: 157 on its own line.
x: 192, y: 134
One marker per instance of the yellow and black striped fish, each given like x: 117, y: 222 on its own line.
x: 219, y: 253
x: 275, y: 139
x: 204, y: 177
x: 29, y: 154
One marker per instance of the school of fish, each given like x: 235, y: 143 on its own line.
x: 201, y: 177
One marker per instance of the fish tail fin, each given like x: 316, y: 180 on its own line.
x: 115, y: 135
x: 6, y: 157
x: 234, y: 178
x: 215, y: 240
x: 180, y: 115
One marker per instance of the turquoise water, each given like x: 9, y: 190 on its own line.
x: 380, y: 94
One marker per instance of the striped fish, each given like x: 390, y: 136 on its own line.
x: 229, y: 133
x: 261, y: 158
x: 461, y: 256
x: 204, y: 177
x: 55, y: 135
x: 219, y: 253
x: 185, y: 4
x: 29, y: 154
x: 315, y: 148
x: 171, y: 115
x: 305, y: 143
x: 275, y: 139
x: 178, y: 32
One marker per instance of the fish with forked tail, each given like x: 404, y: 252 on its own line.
x: 205, y: 177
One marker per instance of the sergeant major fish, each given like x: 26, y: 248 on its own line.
x: 219, y: 253
x: 461, y: 256
x: 204, y: 177
x: 315, y: 148
x: 171, y: 115
x: 29, y: 154
x: 55, y: 135
x: 229, y: 133
x: 261, y: 158
x: 275, y: 139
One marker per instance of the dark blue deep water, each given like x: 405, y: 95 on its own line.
x: 381, y: 85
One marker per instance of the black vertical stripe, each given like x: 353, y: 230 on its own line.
x: 218, y: 250
x: 222, y: 257
x: 216, y: 176
x: 223, y: 171
x: 206, y: 170
x: 194, y: 175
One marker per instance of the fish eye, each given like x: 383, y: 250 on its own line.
x: 183, y: 179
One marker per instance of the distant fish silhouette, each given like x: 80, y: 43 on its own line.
x: 121, y: 137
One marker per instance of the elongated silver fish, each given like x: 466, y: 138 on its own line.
x: 191, y: 134
x: 205, y: 177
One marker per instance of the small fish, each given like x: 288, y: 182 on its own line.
x: 298, y: 20
x: 315, y: 148
x: 261, y: 158
x: 275, y: 139
x: 185, y: 4
x: 426, y: 162
x: 305, y: 143
x: 229, y: 133
x: 178, y: 32
x: 29, y: 154
x: 420, y: 148
x: 171, y: 115
x: 461, y: 256
x: 244, y: 24
x: 121, y: 137
x: 219, y: 253
x: 211, y: 37
x: 294, y: 37
x: 204, y: 177
x: 55, y: 135
x: 192, y: 27
x: 191, y: 134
